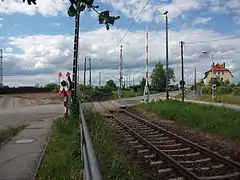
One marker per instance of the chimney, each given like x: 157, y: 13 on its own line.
x: 223, y: 64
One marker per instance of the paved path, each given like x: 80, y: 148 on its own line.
x: 18, y: 159
x: 8, y: 102
x: 100, y: 106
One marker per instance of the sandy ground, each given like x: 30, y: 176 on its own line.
x: 32, y: 99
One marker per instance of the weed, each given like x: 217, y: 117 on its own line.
x: 219, y: 120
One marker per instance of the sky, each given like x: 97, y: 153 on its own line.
x: 37, y: 40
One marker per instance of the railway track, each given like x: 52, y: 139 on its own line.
x: 172, y: 156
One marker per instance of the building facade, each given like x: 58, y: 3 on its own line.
x: 219, y: 70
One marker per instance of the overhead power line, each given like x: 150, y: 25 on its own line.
x: 134, y: 21
x: 213, y: 40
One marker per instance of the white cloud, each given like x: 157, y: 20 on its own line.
x: 1, y: 25
x: 44, y: 55
x: 176, y: 8
x: 44, y: 7
x: 1, y: 19
x: 56, y: 24
x: 236, y: 20
x: 201, y: 20
x: 131, y: 8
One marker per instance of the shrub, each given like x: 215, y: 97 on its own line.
x: 236, y: 91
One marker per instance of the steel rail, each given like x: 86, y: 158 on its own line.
x: 229, y: 162
x: 167, y: 158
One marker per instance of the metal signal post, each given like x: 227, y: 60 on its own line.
x: 182, y: 84
x: 167, y: 80
x: 75, y: 56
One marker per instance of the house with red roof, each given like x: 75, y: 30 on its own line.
x: 219, y: 70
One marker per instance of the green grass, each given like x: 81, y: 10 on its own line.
x: 219, y: 120
x: 10, y: 132
x: 62, y: 157
x: 230, y: 99
x: 113, y: 162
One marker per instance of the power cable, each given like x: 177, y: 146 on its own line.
x: 134, y: 21
x: 213, y: 40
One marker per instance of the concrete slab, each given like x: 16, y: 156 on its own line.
x: 108, y: 105
x: 98, y: 106
x: 20, y: 156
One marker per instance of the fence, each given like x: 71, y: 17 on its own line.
x: 91, y: 167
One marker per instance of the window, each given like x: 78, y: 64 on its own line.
x: 223, y: 73
x: 218, y: 73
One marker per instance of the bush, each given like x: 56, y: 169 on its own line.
x: 206, y: 89
x: 236, y: 91
x: 224, y: 90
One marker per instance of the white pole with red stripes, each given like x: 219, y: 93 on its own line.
x: 146, y: 93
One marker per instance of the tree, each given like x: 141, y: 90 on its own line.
x: 238, y: 84
x: 103, y: 17
x: 159, y: 77
x: 219, y: 82
x: 143, y: 82
x: 52, y: 86
x: 111, y: 84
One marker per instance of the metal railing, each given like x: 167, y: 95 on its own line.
x: 91, y: 167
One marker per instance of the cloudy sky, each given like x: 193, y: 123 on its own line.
x: 37, y: 41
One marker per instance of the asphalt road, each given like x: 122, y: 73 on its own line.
x: 16, y: 111
x: 17, y: 116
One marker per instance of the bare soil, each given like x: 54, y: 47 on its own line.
x: 224, y: 146
x: 40, y: 98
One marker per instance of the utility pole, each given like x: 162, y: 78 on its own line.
x: 84, y: 72
x: 1, y: 68
x: 195, y: 80
x: 85, y: 69
x: 99, y: 83
x: 75, y: 55
x: 213, y: 79
x: 120, y: 73
x: 167, y: 93
x: 90, y: 72
x: 100, y: 73
x: 182, y: 84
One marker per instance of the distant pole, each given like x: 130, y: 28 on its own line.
x: 133, y: 80
x: 99, y: 84
x: 84, y: 76
x: 1, y: 68
x: 90, y: 72
x: 195, y: 80
x: 120, y: 73
x: 182, y: 84
x: 167, y: 93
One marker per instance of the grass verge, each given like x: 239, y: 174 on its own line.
x: 10, y: 132
x: 62, y: 156
x: 113, y: 162
x: 230, y: 99
x: 219, y: 120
